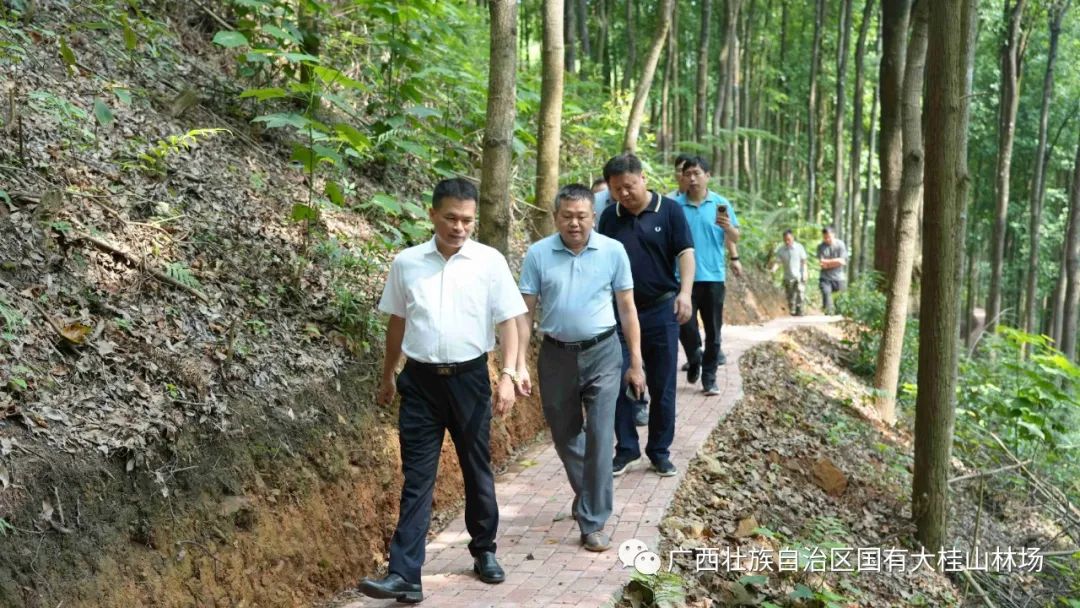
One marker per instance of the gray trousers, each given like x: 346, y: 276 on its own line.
x: 578, y: 391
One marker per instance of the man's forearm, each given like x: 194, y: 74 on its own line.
x: 395, y: 334
x: 686, y: 271
x: 524, y: 334
x: 508, y: 340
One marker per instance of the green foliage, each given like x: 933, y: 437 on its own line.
x: 71, y: 119
x: 660, y: 590
x: 154, y: 160
x: 13, y: 321
x: 179, y: 272
x: 864, y: 307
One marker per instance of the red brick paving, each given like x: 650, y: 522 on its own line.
x: 544, y: 561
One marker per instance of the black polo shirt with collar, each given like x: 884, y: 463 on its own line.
x: 653, y: 240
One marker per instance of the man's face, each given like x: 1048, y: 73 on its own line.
x: 695, y: 180
x: 827, y: 237
x: 629, y: 189
x: 454, y: 221
x: 574, y: 221
x: 789, y: 240
x: 680, y: 178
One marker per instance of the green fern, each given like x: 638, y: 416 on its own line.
x: 12, y: 319
x: 181, y: 274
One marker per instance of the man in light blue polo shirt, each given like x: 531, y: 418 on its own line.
x: 575, y: 274
x: 713, y: 225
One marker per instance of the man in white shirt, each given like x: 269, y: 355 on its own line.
x: 444, y: 299
x: 793, y: 257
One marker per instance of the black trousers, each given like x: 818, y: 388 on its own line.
x: 431, y: 405
x: 708, y: 298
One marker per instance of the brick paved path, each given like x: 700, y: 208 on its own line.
x: 539, y: 544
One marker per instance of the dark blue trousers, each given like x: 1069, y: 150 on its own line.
x: 659, y: 349
x: 431, y: 405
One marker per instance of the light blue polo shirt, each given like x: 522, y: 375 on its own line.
x: 575, y: 291
x: 709, y: 254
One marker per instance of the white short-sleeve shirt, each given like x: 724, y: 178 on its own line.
x: 450, y: 306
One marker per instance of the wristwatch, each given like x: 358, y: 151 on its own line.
x: 509, y: 371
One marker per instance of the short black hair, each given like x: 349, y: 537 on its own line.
x: 455, y: 187
x: 788, y: 231
x: 621, y: 165
x: 829, y: 228
x: 680, y: 159
x: 573, y: 192
x: 596, y: 182
x: 697, y: 161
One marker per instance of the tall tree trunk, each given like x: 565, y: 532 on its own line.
x: 868, y: 193
x: 1038, y: 190
x: 735, y: 118
x: 583, y: 28
x: 700, y: 115
x: 676, y: 110
x: 663, y: 138
x: 812, y: 110
x: 1072, y: 265
x: 631, y: 46
x: 839, y: 186
x: 723, y: 80
x: 857, y: 115
x: 605, y: 54
x: 569, y: 34
x: 894, y: 32
x: 641, y: 95
x: 887, y: 373
x: 949, y: 59
x: 548, y: 137
x: 1009, y: 101
x: 499, y: 132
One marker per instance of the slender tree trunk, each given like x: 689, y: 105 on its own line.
x: 700, y: 116
x: 664, y: 137
x: 499, y: 132
x: 839, y: 186
x: 641, y: 95
x: 676, y: 110
x: 631, y: 46
x: 1009, y: 101
x: 569, y: 34
x: 857, y: 114
x: 548, y: 137
x: 735, y: 118
x: 605, y: 54
x: 887, y: 373
x: 1072, y: 265
x: 723, y: 93
x: 949, y: 58
x: 894, y: 31
x: 812, y: 110
x: 583, y: 28
x: 1057, y: 13
x: 868, y: 193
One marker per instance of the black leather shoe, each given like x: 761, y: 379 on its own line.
x: 488, y: 568
x: 392, y: 587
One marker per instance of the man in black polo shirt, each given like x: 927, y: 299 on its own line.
x: 654, y: 231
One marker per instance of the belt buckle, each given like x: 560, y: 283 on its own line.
x: 574, y: 347
x: 444, y: 370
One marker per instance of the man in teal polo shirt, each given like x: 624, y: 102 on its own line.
x: 574, y: 274
x: 713, y: 225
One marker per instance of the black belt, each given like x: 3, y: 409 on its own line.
x: 581, y: 344
x: 644, y: 304
x: 448, y: 369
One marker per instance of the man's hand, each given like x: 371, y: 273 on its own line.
x: 683, y: 308
x: 386, y: 393
x: 635, y: 379
x: 736, y: 267
x: 503, y: 399
x: 524, y: 384
x: 722, y: 219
